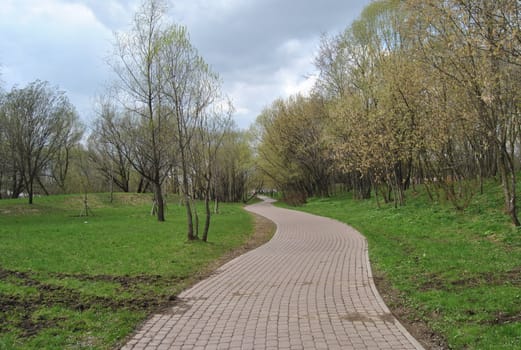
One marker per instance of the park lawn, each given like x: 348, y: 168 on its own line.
x: 72, y: 282
x: 457, y: 272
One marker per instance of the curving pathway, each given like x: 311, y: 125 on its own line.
x: 310, y: 287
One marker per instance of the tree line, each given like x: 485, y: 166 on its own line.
x: 165, y: 127
x: 413, y: 91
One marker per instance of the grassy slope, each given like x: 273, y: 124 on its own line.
x: 459, y: 272
x: 75, y: 282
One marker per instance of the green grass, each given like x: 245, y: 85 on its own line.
x: 460, y: 272
x: 85, y: 282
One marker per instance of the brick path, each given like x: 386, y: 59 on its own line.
x: 310, y: 287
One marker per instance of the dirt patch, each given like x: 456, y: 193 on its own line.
x: 21, y: 308
x: 126, y: 282
x: 20, y: 210
x: 356, y: 317
x: 387, y: 318
x: 133, y: 198
x: 77, y: 202
x: 504, y: 318
x: 437, y: 282
x: 4, y: 274
x: 408, y: 316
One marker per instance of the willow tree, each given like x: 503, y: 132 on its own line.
x: 365, y: 73
x: 473, y: 45
x: 292, y: 151
x: 235, y: 170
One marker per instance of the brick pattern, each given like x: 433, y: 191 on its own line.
x: 310, y: 287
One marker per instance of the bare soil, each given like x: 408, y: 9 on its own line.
x: 22, y: 307
x: 496, y: 278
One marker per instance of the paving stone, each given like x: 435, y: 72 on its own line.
x: 310, y: 287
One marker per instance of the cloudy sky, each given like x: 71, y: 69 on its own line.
x: 262, y: 49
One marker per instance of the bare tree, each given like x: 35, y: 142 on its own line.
x: 210, y: 133
x: 40, y: 121
x: 166, y: 87
x: 5, y: 155
x: 145, y: 132
x: 60, y: 163
x: 190, y: 87
x: 106, y: 148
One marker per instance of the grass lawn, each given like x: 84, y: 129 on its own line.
x: 86, y: 282
x: 458, y: 273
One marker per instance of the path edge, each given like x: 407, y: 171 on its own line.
x: 382, y: 303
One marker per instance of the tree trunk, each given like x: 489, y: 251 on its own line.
x: 160, y: 202
x: 30, y: 192
x: 190, y: 222
x: 207, y: 212
x: 144, y: 185
x: 376, y: 194
x: 186, y: 193
x: 508, y: 180
x: 196, y: 218
x: 42, y: 186
x: 512, y: 207
x: 16, y: 186
x: 139, y: 185
x: 186, y: 186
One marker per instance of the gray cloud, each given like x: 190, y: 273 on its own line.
x: 262, y: 49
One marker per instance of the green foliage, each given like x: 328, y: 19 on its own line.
x: 415, y: 91
x: 86, y: 282
x: 292, y: 152
x: 457, y: 271
x: 235, y: 171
